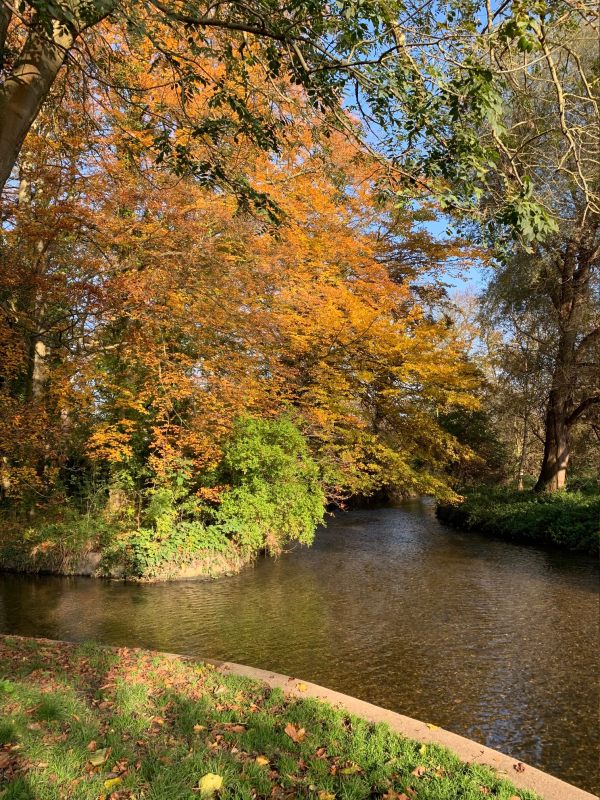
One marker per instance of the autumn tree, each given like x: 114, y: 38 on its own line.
x: 167, y: 313
x: 424, y: 79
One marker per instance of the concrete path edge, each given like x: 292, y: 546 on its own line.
x: 520, y: 774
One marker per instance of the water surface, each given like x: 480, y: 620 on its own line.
x: 494, y: 641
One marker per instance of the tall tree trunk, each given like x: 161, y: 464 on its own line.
x: 28, y: 84
x: 26, y: 88
x: 523, y: 457
x: 553, y: 474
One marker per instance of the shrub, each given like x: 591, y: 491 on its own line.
x: 568, y: 518
x: 274, y: 492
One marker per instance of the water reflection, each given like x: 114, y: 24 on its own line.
x: 491, y: 640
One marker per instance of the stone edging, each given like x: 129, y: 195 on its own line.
x: 522, y: 775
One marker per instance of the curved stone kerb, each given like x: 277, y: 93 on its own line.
x: 521, y: 775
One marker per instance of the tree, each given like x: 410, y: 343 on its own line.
x: 167, y: 313
x: 423, y: 78
x: 549, y: 291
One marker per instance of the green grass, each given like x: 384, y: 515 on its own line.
x: 565, y: 519
x: 162, y: 723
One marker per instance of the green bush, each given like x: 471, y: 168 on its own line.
x: 274, y: 493
x: 144, y: 553
x: 570, y: 519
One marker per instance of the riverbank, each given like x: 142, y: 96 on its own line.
x: 570, y: 520
x: 91, y: 548
x: 85, y: 722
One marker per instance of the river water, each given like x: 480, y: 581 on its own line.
x: 492, y: 640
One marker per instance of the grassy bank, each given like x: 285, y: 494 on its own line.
x: 565, y: 519
x: 75, y: 544
x: 86, y: 722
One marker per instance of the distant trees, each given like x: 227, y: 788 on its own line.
x: 545, y: 293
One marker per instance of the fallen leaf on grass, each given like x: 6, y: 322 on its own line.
x: 234, y: 727
x: 262, y: 760
x: 352, y: 769
x: 295, y: 734
x: 99, y: 757
x: 209, y: 784
x: 4, y: 760
x: 112, y: 782
x: 422, y: 750
x: 323, y: 795
x: 198, y: 728
x: 92, y: 746
x: 418, y: 771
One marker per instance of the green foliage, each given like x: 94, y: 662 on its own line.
x: 144, y: 553
x: 475, y: 429
x: 275, y: 494
x: 566, y: 519
x: 53, y: 543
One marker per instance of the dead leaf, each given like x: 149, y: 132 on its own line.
x: 433, y: 727
x: 4, y: 760
x: 92, y: 746
x: 112, y: 782
x: 262, y: 760
x: 209, y: 784
x: 323, y: 795
x: 302, y: 687
x: 418, y: 771
x: 295, y: 734
x: 99, y: 757
x: 519, y: 767
x: 198, y: 728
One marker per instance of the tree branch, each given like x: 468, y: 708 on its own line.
x: 583, y: 406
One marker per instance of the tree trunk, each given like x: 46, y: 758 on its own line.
x: 523, y: 458
x: 25, y: 89
x: 553, y: 474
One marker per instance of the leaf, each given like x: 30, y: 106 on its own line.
x: 302, y: 687
x: 209, y: 784
x: 92, y: 746
x: 433, y: 727
x: 99, y: 757
x: 418, y: 771
x: 295, y: 734
x: 235, y: 728
x: 198, y: 728
x: 323, y: 795
x: 353, y: 769
x: 519, y: 767
x: 112, y: 782
x: 262, y: 760
x: 422, y: 749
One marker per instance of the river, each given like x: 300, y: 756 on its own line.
x: 492, y: 640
